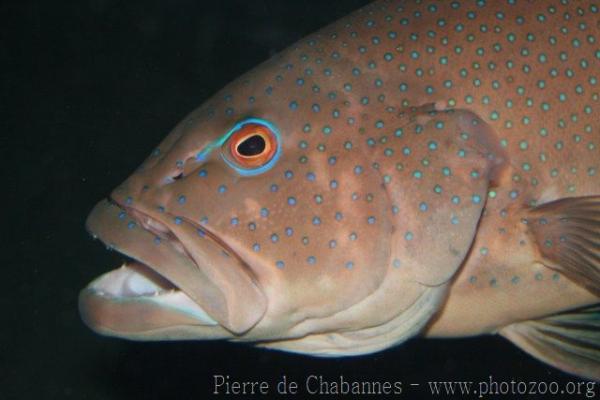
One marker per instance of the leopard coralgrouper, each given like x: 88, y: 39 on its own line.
x: 416, y: 168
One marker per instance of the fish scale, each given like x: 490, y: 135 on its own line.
x: 421, y: 148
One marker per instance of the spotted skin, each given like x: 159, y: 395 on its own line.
x: 416, y: 137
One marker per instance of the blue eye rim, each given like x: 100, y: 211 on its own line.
x: 263, y: 168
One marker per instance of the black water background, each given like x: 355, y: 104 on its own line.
x: 87, y: 89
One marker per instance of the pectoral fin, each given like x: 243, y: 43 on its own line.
x: 568, y: 341
x: 567, y: 232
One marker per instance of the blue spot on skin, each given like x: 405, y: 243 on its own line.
x: 280, y: 264
x: 310, y: 176
x: 288, y: 174
x: 339, y: 216
x: 291, y: 201
x: 201, y: 233
x: 264, y: 212
x: 157, y: 240
x: 396, y: 263
x: 408, y: 236
x: 178, y: 220
x: 122, y: 215
x: 316, y: 221
x: 256, y: 247
x: 204, y: 220
x: 274, y: 238
x: 332, y: 244
x: 234, y: 221
x: 202, y: 173
x: 289, y: 231
x: 222, y: 189
x: 131, y: 225
x: 274, y: 188
x: 349, y: 264
x: 181, y: 199
x: 423, y: 207
x: 371, y: 220
x: 294, y: 105
x: 311, y: 260
x: 128, y: 200
x: 476, y: 199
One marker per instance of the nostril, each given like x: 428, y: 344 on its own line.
x: 181, y: 170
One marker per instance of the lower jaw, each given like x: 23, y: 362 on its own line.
x: 134, y: 300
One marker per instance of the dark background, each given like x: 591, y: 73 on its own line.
x: 88, y: 88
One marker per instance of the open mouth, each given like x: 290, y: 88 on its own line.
x: 138, y: 296
x: 177, y: 273
x: 133, y: 279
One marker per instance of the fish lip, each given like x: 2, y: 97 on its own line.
x: 155, y: 226
x: 162, y: 231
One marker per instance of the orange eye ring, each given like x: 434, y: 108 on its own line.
x: 252, y: 146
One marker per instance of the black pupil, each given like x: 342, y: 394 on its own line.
x: 252, y: 146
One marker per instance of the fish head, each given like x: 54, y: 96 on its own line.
x: 256, y: 246
x: 265, y: 215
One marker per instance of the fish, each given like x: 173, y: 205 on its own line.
x: 414, y: 169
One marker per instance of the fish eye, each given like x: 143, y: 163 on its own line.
x: 252, y: 146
